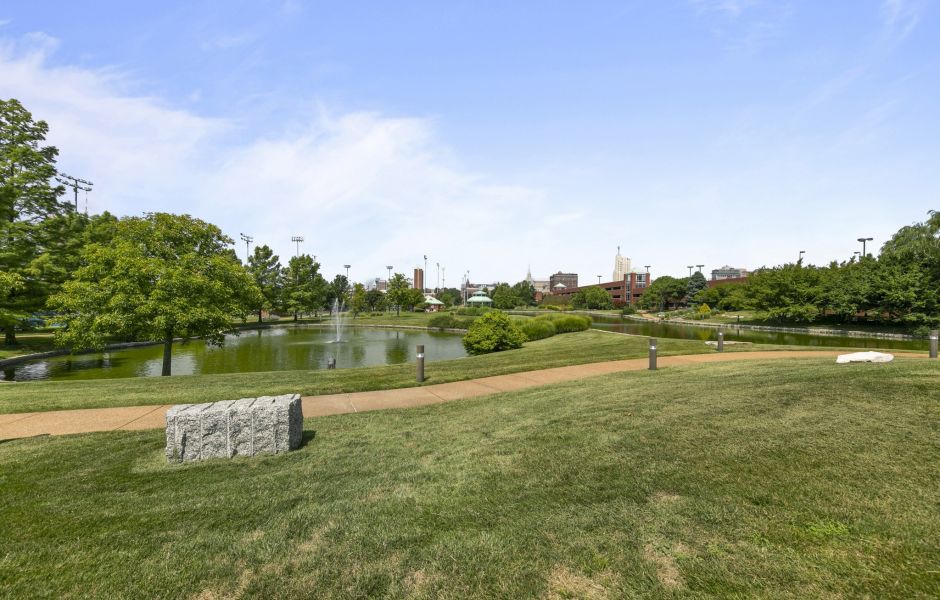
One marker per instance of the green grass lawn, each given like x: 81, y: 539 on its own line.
x: 796, y: 479
x: 560, y: 350
x: 27, y: 343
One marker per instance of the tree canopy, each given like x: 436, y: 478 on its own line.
x: 592, y: 298
x: 161, y: 276
x: 265, y: 268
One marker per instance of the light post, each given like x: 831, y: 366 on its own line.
x: 647, y: 268
x: 438, y: 288
x: 444, y: 276
x: 598, y: 280
x: 863, y: 240
x: 297, y: 239
x: 699, y: 268
x: 466, y: 288
x: 690, y: 270
x: 800, y: 259
x: 347, y: 272
x: 424, y: 274
x: 247, y: 239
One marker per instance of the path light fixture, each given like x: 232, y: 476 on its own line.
x: 863, y: 240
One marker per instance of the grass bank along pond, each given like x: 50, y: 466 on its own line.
x: 282, y: 347
x: 746, y: 334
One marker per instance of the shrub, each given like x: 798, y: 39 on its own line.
x: 629, y: 309
x: 493, y: 332
x: 472, y: 311
x: 442, y: 322
x: 537, y: 329
x: 567, y: 323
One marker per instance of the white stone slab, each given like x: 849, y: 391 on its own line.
x: 874, y: 357
x: 270, y: 424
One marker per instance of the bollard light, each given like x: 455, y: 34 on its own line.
x: 419, y: 354
x: 933, y: 342
x: 721, y: 341
x: 652, y: 354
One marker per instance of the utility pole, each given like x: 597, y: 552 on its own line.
x: 247, y: 239
x: 76, y: 184
x: 297, y: 239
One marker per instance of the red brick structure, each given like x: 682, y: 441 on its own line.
x: 627, y: 291
x: 728, y: 280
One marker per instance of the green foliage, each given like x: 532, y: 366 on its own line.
x: 449, y: 322
x: 473, y: 311
x: 525, y: 292
x: 537, y: 329
x: 493, y: 332
x: 592, y: 298
x: 566, y: 323
x: 265, y: 269
x: 504, y: 297
x: 703, y: 311
x: 338, y: 290
x: 398, y: 293
x: 664, y: 292
x: 304, y: 289
x: 375, y: 300
x: 450, y: 297
x: 161, y: 276
x: 629, y: 309
x: 357, y: 302
x: 695, y: 284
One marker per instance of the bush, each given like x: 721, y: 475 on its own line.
x: 473, y: 311
x: 567, y: 323
x: 493, y: 332
x: 629, y: 309
x: 449, y: 322
x: 537, y: 329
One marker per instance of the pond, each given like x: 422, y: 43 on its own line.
x: 732, y: 333
x: 282, y: 347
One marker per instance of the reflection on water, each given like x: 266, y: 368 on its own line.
x: 732, y: 333
x: 272, y: 349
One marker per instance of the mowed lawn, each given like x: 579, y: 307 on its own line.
x: 557, y: 351
x: 787, y: 479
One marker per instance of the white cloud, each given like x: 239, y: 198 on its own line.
x: 4, y: 22
x: 362, y: 188
x: 729, y: 8
x: 900, y: 17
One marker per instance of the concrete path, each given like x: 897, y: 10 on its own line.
x: 61, y: 422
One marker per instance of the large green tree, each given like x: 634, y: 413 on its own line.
x: 338, y: 291
x: 265, y: 268
x: 161, y: 276
x: 592, y: 298
x: 504, y: 297
x: 525, y: 291
x: 398, y: 292
x: 27, y: 199
x: 304, y: 289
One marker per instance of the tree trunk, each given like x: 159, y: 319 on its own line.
x: 9, y: 337
x: 295, y: 315
x: 260, y: 310
x: 167, y: 353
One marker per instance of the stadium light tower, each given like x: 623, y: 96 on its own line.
x: 297, y: 239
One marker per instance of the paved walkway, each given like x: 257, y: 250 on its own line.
x: 61, y: 422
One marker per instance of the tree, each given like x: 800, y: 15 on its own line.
x: 337, y: 292
x: 450, y: 296
x: 265, y: 268
x: 161, y: 276
x: 375, y: 300
x: 504, y: 297
x: 413, y: 297
x: 358, y: 299
x: 593, y: 298
x: 27, y: 198
x: 398, y: 292
x: 304, y: 289
x: 696, y: 283
x: 911, y: 260
x: 525, y: 292
x: 664, y: 291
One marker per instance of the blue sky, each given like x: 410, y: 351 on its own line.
x: 493, y: 135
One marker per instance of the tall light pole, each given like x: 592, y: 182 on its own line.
x: 690, y: 270
x: 647, y: 267
x: 424, y: 274
x: 699, y: 268
x: 297, y: 239
x: 466, y: 288
x: 863, y: 240
x: 802, y: 252
x: 247, y: 239
x: 598, y: 280
x: 444, y: 276
x: 389, y: 267
x: 347, y: 272
x: 438, y: 288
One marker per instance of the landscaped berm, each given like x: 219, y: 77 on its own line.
x: 797, y: 478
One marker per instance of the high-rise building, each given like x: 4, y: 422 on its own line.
x: 621, y: 266
x: 728, y: 272
x: 419, y: 279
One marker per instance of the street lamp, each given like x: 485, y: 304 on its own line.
x: 800, y: 259
x: 690, y: 270
x: 247, y: 239
x: 297, y: 239
x: 647, y: 267
x: 438, y: 276
x: 863, y: 240
x: 424, y: 274
x: 699, y: 268
x: 347, y: 272
x: 598, y: 280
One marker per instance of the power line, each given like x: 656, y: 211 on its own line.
x: 76, y: 183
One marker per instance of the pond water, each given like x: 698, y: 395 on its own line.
x: 732, y: 333
x: 282, y: 347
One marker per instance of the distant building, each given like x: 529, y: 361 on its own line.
x: 727, y: 272
x: 568, y: 280
x: 419, y: 279
x: 541, y: 286
x: 625, y: 291
x: 621, y: 266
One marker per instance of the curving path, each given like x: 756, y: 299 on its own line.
x: 62, y: 422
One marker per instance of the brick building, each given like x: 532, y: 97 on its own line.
x: 569, y: 280
x: 626, y: 291
x: 418, y: 279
